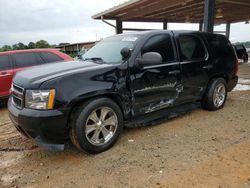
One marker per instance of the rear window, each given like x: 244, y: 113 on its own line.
x: 239, y: 47
x: 220, y: 45
x: 26, y: 59
x: 191, y: 48
x: 49, y: 57
x: 4, y: 62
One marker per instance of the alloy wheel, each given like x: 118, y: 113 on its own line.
x: 219, y: 95
x: 101, y: 126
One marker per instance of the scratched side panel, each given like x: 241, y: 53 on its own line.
x: 154, y: 88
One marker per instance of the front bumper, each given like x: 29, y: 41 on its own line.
x: 48, y: 128
x: 232, y: 83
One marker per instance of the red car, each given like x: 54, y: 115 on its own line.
x: 14, y: 61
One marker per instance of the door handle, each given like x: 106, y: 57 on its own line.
x: 174, y: 72
x: 4, y: 74
x: 207, y: 67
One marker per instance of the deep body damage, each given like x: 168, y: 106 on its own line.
x: 138, y: 91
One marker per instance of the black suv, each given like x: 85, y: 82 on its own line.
x: 128, y: 79
x: 241, y: 52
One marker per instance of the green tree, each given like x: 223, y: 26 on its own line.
x: 15, y: 47
x: 19, y: 46
x: 42, y: 44
x: 6, y: 48
x: 31, y: 45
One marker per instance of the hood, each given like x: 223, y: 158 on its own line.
x: 35, y: 76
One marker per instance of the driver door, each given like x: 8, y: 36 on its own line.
x: 156, y: 86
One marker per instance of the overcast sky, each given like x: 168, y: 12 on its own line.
x: 59, y: 21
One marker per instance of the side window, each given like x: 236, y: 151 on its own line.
x: 26, y: 59
x: 49, y: 57
x: 4, y: 62
x: 220, y: 45
x: 191, y: 48
x: 161, y: 44
x: 239, y: 47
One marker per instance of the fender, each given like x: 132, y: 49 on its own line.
x: 110, y: 81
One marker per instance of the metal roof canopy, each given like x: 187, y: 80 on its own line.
x: 179, y: 11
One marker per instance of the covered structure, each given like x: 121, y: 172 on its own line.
x: 76, y: 47
x: 205, y: 12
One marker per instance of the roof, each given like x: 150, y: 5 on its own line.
x: 30, y: 50
x: 178, y: 11
x: 79, y: 43
x: 159, y: 31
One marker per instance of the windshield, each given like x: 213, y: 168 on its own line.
x: 108, y: 50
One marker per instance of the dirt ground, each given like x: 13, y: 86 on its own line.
x: 200, y: 149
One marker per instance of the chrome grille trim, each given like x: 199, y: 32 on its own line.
x: 18, y: 95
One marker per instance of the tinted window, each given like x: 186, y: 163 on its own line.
x: 220, y: 45
x: 4, y: 62
x: 191, y: 48
x: 26, y: 59
x: 161, y: 44
x: 49, y: 57
x: 240, y: 47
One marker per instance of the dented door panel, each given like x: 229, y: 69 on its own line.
x: 155, y: 88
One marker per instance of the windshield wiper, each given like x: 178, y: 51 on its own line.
x: 95, y: 59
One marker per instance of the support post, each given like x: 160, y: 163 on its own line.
x: 165, y: 25
x: 209, y: 15
x: 201, y: 25
x: 118, y: 27
x: 228, y: 29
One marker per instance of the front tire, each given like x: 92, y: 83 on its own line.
x: 216, y: 95
x: 245, y: 58
x: 96, y: 125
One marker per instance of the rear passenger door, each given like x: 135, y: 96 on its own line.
x: 195, y: 66
x: 26, y: 60
x: 6, y: 75
x: 50, y: 57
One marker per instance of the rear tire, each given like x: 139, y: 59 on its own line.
x: 96, y: 125
x: 245, y: 59
x: 216, y: 95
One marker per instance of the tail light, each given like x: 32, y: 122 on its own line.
x: 236, y: 68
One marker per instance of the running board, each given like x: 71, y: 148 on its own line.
x: 161, y: 115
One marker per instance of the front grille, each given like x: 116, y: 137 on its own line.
x: 18, y: 96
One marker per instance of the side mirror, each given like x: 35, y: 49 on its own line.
x: 149, y: 59
x: 79, y: 56
x: 126, y: 53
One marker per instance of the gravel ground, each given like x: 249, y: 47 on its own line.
x: 200, y: 149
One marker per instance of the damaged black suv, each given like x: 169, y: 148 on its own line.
x: 129, y: 79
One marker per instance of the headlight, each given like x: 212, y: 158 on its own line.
x: 40, y: 99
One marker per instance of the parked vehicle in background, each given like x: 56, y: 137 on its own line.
x: 241, y: 52
x: 17, y: 60
x: 130, y: 79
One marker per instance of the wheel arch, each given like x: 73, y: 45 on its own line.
x: 220, y: 75
x: 112, y: 96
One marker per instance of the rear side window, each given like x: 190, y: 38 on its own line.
x: 161, y: 44
x: 191, y: 48
x: 26, y: 59
x: 220, y: 45
x: 4, y: 62
x: 50, y: 57
x: 239, y: 47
